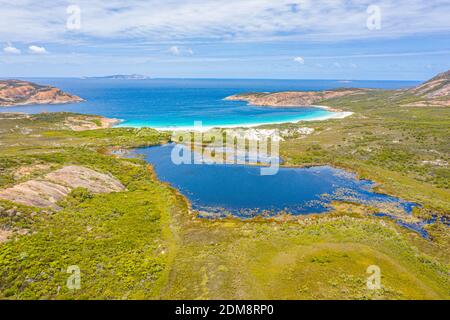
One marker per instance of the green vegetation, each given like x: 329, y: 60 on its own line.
x: 145, y: 243
x: 404, y: 149
x: 117, y: 239
x: 323, y: 258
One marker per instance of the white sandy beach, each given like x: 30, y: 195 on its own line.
x: 332, y: 115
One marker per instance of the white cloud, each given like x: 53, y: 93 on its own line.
x: 177, y: 51
x: 231, y: 20
x: 174, y: 50
x: 11, y: 50
x: 299, y: 60
x: 37, y: 50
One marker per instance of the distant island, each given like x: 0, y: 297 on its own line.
x: 19, y: 92
x: 122, y: 77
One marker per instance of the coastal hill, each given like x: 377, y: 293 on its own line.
x: 435, y: 91
x: 19, y: 92
x: 293, y: 98
x: 439, y: 86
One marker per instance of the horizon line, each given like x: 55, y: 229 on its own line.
x: 201, y: 78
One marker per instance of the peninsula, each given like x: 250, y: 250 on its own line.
x: 293, y: 98
x: 435, y: 91
x: 19, y: 92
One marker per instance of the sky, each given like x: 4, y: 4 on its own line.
x: 270, y: 39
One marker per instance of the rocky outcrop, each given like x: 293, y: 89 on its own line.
x: 437, y: 87
x: 25, y: 171
x: 83, y: 123
x: 293, y: 98
x: 18, y: 92
x: 435, y: 92
x: 81, y: 177
x: 56, y: 185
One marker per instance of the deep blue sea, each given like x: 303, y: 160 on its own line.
x: 162, y: 103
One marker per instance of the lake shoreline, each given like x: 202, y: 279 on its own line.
x: 404, y: 219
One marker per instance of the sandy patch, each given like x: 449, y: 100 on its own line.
x: 83, y: 123
x: 4, y: 235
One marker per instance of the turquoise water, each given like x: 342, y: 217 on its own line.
x: 240, y: 190
x: 164, y: 103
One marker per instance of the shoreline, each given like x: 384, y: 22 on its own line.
x: 33, y: 103
x: 333, y: 115
x: 288, y: 105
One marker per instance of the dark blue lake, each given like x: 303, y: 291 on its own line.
x: 240, y: 190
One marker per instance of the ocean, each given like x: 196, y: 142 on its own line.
x: 172, y: 103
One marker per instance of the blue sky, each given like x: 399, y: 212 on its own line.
x: 306, y: 39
